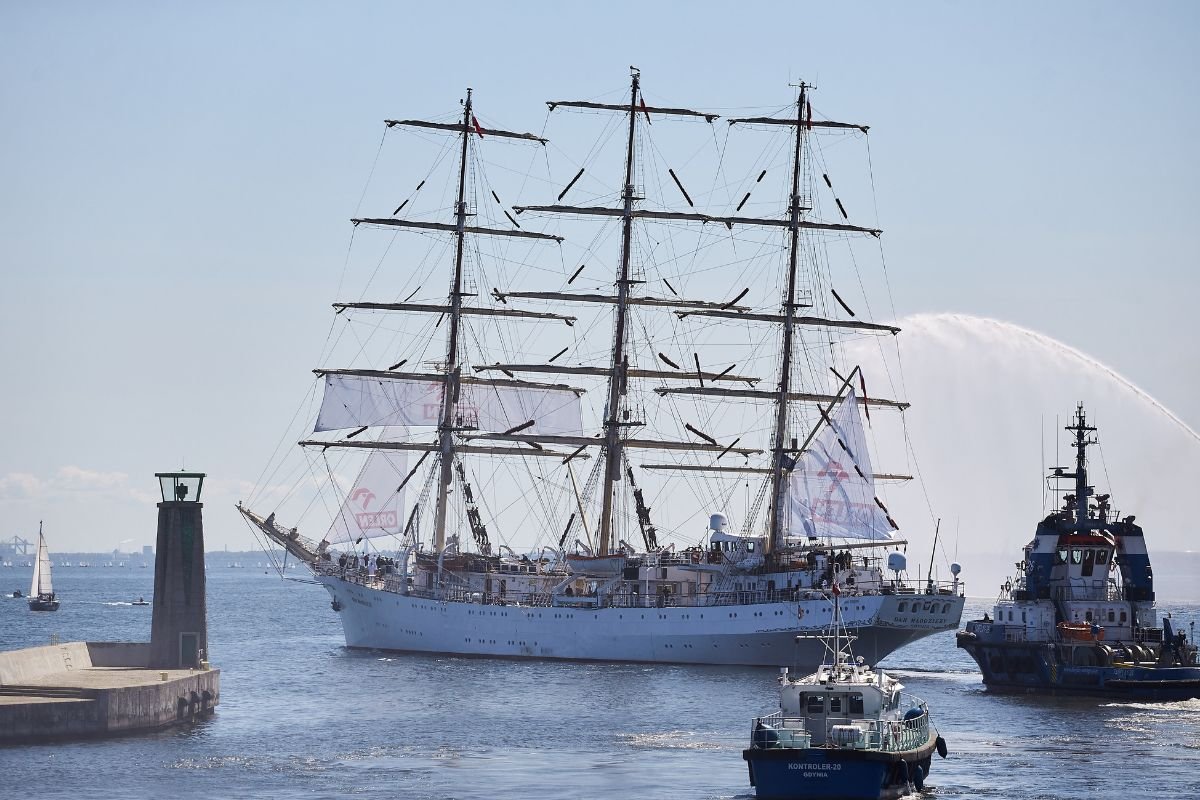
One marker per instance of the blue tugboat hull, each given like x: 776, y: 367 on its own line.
x: 1022, y: 667
x: 817, y: 772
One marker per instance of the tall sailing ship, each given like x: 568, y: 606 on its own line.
x: 424, y: 575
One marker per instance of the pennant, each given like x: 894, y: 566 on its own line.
x: 478, y: 127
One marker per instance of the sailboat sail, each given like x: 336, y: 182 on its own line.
x: 42, y: 581
x: 352, y: 401
x: 374, y: 507
x: 831, y: 491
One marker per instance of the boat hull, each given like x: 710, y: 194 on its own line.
x: 762, y: 634
x: 832, y: 773
x: 43, y: 605
x: 1034, y: 667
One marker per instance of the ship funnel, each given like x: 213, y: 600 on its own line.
x: 717, y: 523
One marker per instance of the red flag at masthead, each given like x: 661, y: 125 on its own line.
x: 478, y: 128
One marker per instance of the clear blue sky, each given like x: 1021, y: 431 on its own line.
x: 176, y: 180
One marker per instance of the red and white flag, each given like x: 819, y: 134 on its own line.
x: 478, y: 127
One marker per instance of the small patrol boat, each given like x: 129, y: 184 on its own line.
x: 845, y: 731
x: 1079, y: 617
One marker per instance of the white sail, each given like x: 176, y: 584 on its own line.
x: 374, y: 507
x: 827, y: 495
x: 42, y: 582
x: 352, y: 401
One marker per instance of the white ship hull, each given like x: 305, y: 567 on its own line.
x: 761, y: 634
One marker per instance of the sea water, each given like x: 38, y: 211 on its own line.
x: 301, y: 716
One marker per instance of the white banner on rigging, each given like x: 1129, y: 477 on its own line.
x: 352, y: 401
x: 374, y: 506
x: 827, y: 495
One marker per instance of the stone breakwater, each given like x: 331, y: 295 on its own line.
x: 89, y: 689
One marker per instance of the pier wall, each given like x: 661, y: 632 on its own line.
x: 83, y: 689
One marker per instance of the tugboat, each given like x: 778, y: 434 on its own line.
x: 1079, y: 618
x: 845, y: 731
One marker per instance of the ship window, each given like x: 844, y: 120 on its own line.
x: 856, y: 703
x: 1101, y: 556
x: 1089, y: 561
x: 1122, y: 616
x: 664, y: 573
x: 816, y: 704
x: 1060, y: 555
x: 835, y: 704
x: 1076, y: 555
x: 902, y: 607
x: 1088, y: 616
x: 1112, y: 617
x: 749, y: 547
x: 1023, y: 617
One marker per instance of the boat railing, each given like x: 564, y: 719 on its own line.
x: 1102, y: 590
x: 776, y: 731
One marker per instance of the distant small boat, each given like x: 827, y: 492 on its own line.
x: 41, y: 590
x: 17, y: 593
x: 141, y: 601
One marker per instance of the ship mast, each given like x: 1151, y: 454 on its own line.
x: 620, y: 363
x: 778, y: 474
x: 446, y: 426
x: 1081, y: 430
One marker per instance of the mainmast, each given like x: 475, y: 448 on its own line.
x: 778, y: 474
x: 617, y: 379
x: 446, y: 427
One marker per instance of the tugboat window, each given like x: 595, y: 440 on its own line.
x: 1089, y: 561
x: 856, y: 703
x: 902, y: 607
x: 1112, y: 617
x: 1061, y: 555
x: 835, y: 705
x: 1076, y: 555
x: 816, y: 704
x: 1101, y: 556
x: 1122, y: 616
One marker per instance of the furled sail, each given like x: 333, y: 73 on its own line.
x: 374, y: 507
x: 831, y: 490
x: 353, y: 401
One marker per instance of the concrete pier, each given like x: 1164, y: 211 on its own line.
x: 86, y: 689
x: 81, y: 689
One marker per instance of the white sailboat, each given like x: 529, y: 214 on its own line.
x: 41, y: 589
x: 724, y: 597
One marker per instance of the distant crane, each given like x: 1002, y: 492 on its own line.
x: 19, y: 546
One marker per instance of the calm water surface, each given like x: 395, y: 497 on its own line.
x: 302, y: 717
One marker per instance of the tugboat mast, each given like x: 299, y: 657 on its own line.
x: 1082, y: 491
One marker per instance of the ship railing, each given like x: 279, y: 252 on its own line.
x: 776, y: 731
x: 1100, y: 590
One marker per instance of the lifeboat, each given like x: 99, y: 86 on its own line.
x: 1080, y: 631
